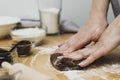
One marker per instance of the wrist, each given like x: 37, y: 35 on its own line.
x: 98, y: 19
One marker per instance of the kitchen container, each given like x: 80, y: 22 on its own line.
x: 49, y: 11
x: 32, y: 34
x: 6, y: 25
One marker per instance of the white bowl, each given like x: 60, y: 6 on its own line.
x: 6, y: 24
x: 34, y: 35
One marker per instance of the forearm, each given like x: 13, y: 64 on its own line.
x: 99, y: 8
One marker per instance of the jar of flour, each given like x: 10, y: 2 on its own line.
x: 49, y: 11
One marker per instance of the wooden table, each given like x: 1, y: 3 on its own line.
x: 110, y: 61
x: 46, y: 43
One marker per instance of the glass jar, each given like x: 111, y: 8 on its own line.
x: 49, y: 11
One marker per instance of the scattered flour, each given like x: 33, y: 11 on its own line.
x: 106, y: 72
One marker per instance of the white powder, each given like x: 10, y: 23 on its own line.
x: 104, y: 72
x: 28, y: 32
x: 50, y: 20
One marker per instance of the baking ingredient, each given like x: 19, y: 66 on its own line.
x: 28, y: 32
x: 106, y: 68
x: 50, y: 20
x: 35, y: 35
x: 64, y: 64
x: 24, y: 48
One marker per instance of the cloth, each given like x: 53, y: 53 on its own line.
x: 69, y: 26
x: 30, y: 22
x: 65, y: 25
x: 116, y: 7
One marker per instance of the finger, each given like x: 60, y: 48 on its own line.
x: 62, y: 48
x: 68, y: 44
x: 75, y: 46
x: 62, y: 43
x: 74, y: 56
x: 66, y: 41
x: 59, y: 45
x: 79, y: 54
x: 90, y: 59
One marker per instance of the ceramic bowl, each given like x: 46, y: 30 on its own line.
x: 6, y: 24
x: 34, y: 35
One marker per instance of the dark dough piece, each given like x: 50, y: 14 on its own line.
x: 64, y: 64
x: 23, y: 48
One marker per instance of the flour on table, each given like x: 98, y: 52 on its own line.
x: 102, y: 72
x: 42, y: 50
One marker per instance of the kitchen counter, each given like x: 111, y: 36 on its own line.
x: 106, y: 68
x: 46, y: 43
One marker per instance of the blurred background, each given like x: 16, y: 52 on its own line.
x: 75, y: 10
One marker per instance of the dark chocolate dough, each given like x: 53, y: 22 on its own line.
x: 23, y: 48
x: 64, y: 64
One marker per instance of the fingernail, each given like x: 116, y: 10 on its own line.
x: 81, y: 64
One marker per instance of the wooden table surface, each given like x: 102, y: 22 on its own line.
x: 46, y: 43
x: 108, y: 67
x: 49, y: 41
